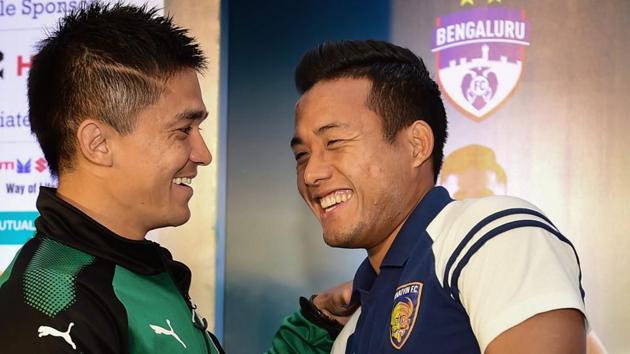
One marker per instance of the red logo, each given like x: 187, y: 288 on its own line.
x: 23, y: 65
x: 41, y: 164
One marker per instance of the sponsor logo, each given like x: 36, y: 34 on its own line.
x: 479, y: 55
x: 24, y: 167
x: 41, y: 165
x: 169, y: 332
x: 49, y: 331
x: 23, y: 64
x: 16, y: 227
x: 404, y: 313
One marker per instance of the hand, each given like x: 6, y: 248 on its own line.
x: 335, y: 302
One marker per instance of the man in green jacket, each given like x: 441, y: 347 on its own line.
x: 116, y: 106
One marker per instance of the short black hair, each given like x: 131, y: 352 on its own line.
x: 106, y: 62
x: 402, y: 89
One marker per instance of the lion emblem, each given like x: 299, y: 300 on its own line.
x: 401, y: 319
x: 404, y: 313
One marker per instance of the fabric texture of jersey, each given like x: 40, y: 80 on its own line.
x: 458, y: 274
x: 76, y: 287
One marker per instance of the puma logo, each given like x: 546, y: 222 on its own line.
x: 49, y: 331
x: 171, y: 332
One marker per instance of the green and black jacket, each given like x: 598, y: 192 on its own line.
x: 76, y: 287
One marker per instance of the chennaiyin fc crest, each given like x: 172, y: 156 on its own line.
x: 404, y: 313
x: 479, y: 56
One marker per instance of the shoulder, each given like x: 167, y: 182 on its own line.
x: 504, y: 261
x: 53, y: 301
x: 464, y: 227
x: 463, y: 214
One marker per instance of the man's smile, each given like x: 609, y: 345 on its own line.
x: 182, y: 180
x: 329, y: 201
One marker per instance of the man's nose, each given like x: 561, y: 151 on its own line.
x: 200, y: 153
x: 317, y: 170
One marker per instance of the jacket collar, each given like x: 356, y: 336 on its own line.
x: 64, y: 223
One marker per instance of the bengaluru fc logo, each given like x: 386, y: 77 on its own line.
x: 479, y: 57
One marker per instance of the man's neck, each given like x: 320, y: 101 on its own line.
x: 85, y: 194
x: 377, y: 254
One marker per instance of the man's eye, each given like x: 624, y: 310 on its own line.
x: 299, y: 156
x: 186, y: 130
x: 334, y: 142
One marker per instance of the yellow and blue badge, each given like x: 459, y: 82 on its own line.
x: 404, y: 313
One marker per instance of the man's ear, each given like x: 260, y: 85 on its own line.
x: 420, y: 137
x: 94, y: 142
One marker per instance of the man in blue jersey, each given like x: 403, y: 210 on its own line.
x: 490, y: 275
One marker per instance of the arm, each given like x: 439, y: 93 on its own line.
x: 299, y: 335
x: 315, y: 326
x: 554, y: 332
x: 335, y: 302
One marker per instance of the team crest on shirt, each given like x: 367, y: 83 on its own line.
x: 404, y: 313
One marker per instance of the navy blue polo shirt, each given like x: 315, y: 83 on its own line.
x: 409, y: 308
x: 404, y: 307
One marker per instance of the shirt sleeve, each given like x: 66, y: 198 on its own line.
x: 515, y: 276
x: 505, y: 262
x: 298, y: 335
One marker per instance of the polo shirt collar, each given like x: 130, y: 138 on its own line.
x: 428, y: 208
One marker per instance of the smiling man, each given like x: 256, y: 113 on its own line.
x: 489, y: 275
x: 116, y: 106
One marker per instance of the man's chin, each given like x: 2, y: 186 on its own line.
x: 179, y: 218
x: 350, y: 236
x: 339, y: 241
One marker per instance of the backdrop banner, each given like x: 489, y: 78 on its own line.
x: 535, y: 93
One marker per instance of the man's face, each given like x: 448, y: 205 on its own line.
x: 356, y: 183
x: 155, y: 162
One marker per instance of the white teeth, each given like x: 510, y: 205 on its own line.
x: 335, y: 198
x: 182, y: 180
